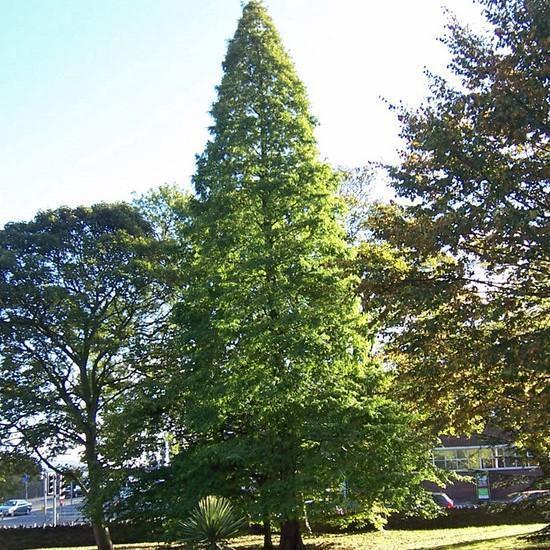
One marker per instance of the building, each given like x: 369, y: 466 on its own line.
x: 495, y: 468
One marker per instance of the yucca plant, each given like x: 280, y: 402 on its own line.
x: 211, y: 524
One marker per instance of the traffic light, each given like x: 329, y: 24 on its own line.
x: 61, y: 486
x: 51, y: 483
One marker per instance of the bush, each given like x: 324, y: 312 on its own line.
x: 211, y: 524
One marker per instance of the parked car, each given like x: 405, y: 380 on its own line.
x: 529, y: 495
x: 77, y: 492
x: 443, y: 500
x: 15, y: 507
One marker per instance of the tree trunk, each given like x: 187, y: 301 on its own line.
x: 102, y: 537
x: 268, y: 542
x: 95, y: 499
x: 291, y: 538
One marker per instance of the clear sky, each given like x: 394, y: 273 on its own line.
x: 102, y: 98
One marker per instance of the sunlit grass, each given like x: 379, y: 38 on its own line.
x: 496, y: 537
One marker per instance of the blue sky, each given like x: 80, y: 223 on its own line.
x: 102, y: 98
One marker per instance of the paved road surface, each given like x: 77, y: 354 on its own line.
x: 66, y: 514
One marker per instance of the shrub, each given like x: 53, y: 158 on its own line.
x: 211, y: 524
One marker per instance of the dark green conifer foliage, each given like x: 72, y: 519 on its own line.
x: 279, y: 392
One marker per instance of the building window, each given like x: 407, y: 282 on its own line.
x: 457, y: 459
x: 481, y: 458
x: 508, y: 457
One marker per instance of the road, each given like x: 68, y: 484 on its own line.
x: 68, y: 513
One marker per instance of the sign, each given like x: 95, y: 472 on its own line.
x: 482, y: 482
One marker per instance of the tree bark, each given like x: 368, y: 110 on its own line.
x: 95, y: 497
x: 268, y: 542
x: 102, y: 537
x: 291, y: 538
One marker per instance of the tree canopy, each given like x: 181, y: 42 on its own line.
x: 462, y: 267
x: 80, y: 312
x: 280, y: 397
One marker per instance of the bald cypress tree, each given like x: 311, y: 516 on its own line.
x: 280, y: 397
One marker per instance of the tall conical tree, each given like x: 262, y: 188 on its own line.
x: 279, y: 394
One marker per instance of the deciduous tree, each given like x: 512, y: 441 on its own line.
x: 80, y: 313
x: 467, y: 257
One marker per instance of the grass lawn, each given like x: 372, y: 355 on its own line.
x: 497, y: 537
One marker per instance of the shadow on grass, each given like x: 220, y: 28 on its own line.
x: 497, y: 543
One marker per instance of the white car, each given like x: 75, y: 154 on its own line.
x: 15, y: 507
x: 529, y: 495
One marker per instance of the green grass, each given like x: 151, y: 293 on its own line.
x: 497, y: 537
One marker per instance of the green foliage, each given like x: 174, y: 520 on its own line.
x: 143, y: 417
x: 80, y: 319
x: 12, y: 466
x: 467, y: 261
x: 355, y: 191
x: 280, y: 396
x: 211, y: 524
